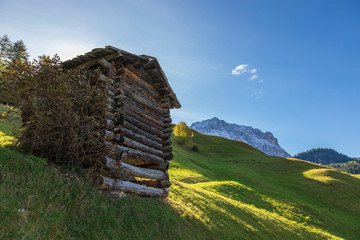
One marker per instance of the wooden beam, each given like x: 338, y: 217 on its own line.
x: 108, y: 66
x: 139, y: 146
x: 143, y: 157
x: 129, y: 187
x: 140, y: 138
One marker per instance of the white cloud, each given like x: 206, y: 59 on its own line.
x: 253, y: 77
x: 257, y: 95
x: 252, y: 71
x: 240, y: 69
x: 245, y: 69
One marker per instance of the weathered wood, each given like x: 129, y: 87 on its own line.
x: 166, y: 142
x: 164, y: 100
x: 137, y: 171
x: 166, y: 136
x: 137, y: 130
x: 154, y: 183
x: 141, y: 138
x: 106, y: 79
x: 118, y: 91
x: 134, y: 155
x: 168, y: 156
x: 165, y: 105
x: 141, y: 98
x: 167, y: 120
x: 142, y: 80
x: 119, y: 98
x: 132, y: 103
x: 109, y: 135
x: 167, y: 149
x: 167, y: 125
x: 167, y: 130
x: 142, y: 116
x: 140, y: 124
x: 139, y: 146
x: 149, y: 92
x: 110, y: 125
x: 108, y: 66
x: 95, y: 61
x: 164, y: 166
x: 163, y: 91
x: 129, y: 187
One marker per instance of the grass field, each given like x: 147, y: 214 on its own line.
x: 227, y: 190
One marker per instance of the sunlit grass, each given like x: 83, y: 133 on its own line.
x: 321, y: 175
x: 6, y: 140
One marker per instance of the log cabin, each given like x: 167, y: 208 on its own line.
x: 138, y: 125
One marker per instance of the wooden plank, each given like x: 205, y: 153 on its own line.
x: 140, y: 98
x: 141, y: 138
x: 129, y: 187
x: 154, y: 183
x: 108, y: 66
x: 137, y: 171
x: 145, y: 158
x: 164, y: 166
x: 139, y: 146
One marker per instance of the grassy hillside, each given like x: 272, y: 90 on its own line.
x: 239, y: 192
x: 227, y: 190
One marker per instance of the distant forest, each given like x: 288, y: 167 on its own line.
x: 331, y: 158
x: 323, y: 156
x: 349, y: 167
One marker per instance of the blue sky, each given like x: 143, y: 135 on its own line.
x: 305, y: 54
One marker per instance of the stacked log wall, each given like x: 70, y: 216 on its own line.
x: 137, y: 133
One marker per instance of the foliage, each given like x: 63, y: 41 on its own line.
x: 352, y: 167
x: 11, y: 52
x: 182, y: 132
x: 62, y: 111
x: 6, y: 140
x: 323, y: 156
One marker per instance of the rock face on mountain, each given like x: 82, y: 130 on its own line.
x: 265, y: 142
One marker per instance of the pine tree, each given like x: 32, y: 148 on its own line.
x: 19, y: 52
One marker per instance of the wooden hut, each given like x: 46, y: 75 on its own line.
x: 138, y: 126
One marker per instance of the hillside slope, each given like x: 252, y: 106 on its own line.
x: 237, y: 191
x: 227, y: 190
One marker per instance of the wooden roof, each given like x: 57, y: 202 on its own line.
x: 148, y: 63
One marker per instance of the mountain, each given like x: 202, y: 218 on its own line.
x: 265, y: 142
x: 323, y: 156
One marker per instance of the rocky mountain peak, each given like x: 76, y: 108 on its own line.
x: 265, y: 142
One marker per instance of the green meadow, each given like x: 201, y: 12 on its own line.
x: 227, y: 190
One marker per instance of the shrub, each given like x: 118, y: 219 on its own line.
x: 182, y: 132
x: 63, y: 111
x: 195, y: 148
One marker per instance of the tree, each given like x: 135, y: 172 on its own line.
x: 18, y: 52
x: 183, y: 132
x: 5, y: 48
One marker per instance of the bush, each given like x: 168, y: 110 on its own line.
x: 63, y: 111
x: 182, y: 132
